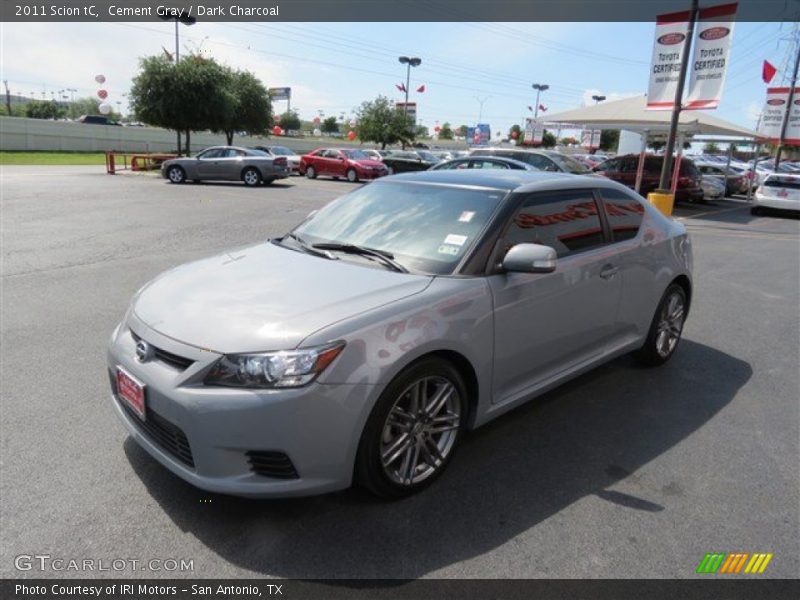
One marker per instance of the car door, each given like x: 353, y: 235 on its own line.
x: 208, y: 163
x: 549, y: 323
x: 229, y: 164
x: 338, y: 163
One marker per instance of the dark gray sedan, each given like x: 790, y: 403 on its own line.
x: 227, y: 163
x: 483, y: 162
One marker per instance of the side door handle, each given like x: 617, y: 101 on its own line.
x: 608, y: 271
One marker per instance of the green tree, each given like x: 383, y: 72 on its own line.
x: 569, y: 141
x: 461, y: 131
x: 44, y: 110
x: 248, y: 107
x: 446, y: 132
x: 548, y: 140
x: 290, y: 121
x: 515, y: 133
x: 83, y: 106
x: 329, y: 125
x: 380, y: 122
x: 422, y: 132
x: 711, y: 148
x: 609, y: 140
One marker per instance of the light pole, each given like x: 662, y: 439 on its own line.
x: 539, y: 87
x: 481, y: 101
x: 186, y: 19
x: 409, y: 62
x: 597, y: 100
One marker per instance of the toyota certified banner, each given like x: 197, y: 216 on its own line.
x: 712, y: 41
x: 665, y: 67
x: 590, y: 138
x: 774, y: 113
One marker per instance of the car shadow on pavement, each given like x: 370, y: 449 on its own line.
x: 507, y: 477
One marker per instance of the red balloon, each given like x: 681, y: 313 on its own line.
x: 514, y: 134
x: 102, y: 94
x: 437, y: 129
x: 351, y: 135
x: 277, y: 130
x: 317, y: 120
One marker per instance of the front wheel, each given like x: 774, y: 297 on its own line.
x: 352, y: 176
x: 251, y: 177
x: 311, y: 172
x: 413, y: 430
x: 666, y: 328
x: 176, y: 174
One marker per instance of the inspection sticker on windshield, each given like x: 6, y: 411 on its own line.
x: 448, y: 249
x: 466, y: 216
x: 455, y: 240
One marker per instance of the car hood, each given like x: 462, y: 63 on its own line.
x: 264, y: 297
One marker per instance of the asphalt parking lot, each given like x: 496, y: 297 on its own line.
x: 625, y: 472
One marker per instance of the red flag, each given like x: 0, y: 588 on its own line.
x: 400, y: 87
x: 768, y: 72
x: 530, y: 108
x: 421, y: 89
x: 542, y: 108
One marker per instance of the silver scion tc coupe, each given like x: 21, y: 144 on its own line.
x: 361, y: 346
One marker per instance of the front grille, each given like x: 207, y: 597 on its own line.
x: 271, y: 463
x: 177, y: 362
x: 167, y: 436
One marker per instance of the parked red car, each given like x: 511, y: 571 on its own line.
x: 354, y: 165
x: 623, y: 169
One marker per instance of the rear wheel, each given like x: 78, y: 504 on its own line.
x: 176, y: 174
x: 311, y: 172
x: 666, y: 328
x: 352, y: 176
x: 413, y: 430
x: 251, y: 177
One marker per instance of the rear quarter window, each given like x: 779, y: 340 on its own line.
x: 623, y: 212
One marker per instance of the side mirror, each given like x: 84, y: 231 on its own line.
x: 530, y: 258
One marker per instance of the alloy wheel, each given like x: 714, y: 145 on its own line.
x: 670, y: 325
x: 420, y: 430
x: 251, y: 177
x: 176, y: 175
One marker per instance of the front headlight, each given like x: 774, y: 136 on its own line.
x: 285, y: 369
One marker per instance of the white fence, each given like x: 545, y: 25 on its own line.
x: 38, y: 134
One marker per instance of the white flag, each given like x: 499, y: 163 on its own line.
x: 665, y: 66
x: 712, y: 42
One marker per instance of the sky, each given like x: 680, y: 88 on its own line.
x: 470, y: 70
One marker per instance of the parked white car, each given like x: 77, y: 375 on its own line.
x: 778, y: 191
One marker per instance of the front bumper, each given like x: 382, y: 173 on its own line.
x: 372, y: 174
x: 317, y: 427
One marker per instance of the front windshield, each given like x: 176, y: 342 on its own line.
x: 282, y: 151
x: 569, y: 164
x: 427, y: 156
x: 355, y: 154
x: 427, y: 228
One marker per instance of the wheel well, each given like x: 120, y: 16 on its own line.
x: 464, y: 367
x: 247, y: 168
x: 683, y: 281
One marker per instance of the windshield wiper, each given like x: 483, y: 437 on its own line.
x: 387, y: 258
x: 308, y: 248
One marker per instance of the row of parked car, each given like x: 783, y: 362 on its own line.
x: 702, y: 179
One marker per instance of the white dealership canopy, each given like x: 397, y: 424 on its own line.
x: 631, y: 114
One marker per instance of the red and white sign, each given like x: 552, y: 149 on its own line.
x: 534, y: 131
x: 665, y: 66
x: 774, y: 113
x: 590, y: 138
x: 712, y: 42
x: 131, y: 391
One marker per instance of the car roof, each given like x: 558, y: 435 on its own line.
x: 510, y: 180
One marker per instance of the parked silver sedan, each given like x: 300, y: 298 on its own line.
x: 227, y: 163
x: 364, y: 344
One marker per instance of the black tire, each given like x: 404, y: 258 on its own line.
x: 251, y: 177
x: 268, y: 181
x: 352, y: 176
x: 755, y: 210
x: 652, y: 353
x: 389, y: 170
x: 370, y: 472
x: 176, y: 174
x: 311, y: 172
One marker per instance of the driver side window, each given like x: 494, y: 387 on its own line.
x: 568, y: 222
